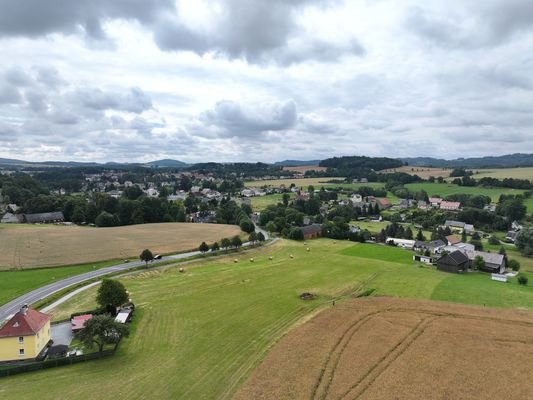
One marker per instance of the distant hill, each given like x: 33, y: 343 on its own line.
x: 167, y: 163
x: 296, y: 163
x: 505, y: 161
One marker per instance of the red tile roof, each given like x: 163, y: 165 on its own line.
x: 453, y: 239
x: 78, y: 322
x: 384, y: 201
x: 24, y: 324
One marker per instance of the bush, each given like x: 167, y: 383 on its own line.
x: 494, y: 240
x: 514, y: 265
x: 522, y: 279
x: 203, y: 247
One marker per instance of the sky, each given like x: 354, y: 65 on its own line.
x: 264, y: 80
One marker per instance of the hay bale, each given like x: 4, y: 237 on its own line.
x: 182, y: 269
x: 235, y: 261
x: 308, y: 249
x: 270, y: 258
x: 251, y: 260
x: 291, y: 256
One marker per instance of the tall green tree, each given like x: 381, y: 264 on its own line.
x: 146, y: 256
x: 111, y: 293
x: 101, y: 330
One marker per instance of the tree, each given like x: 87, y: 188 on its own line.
x: 494, y: 240
x: 260, y: 237
x: 105, y: 219
x: 285, y: 199
x: 111, y: 293
x: 253, y: 237
x: 408, y: 234
x: 236, y: 241
x: 463, y: 236
x: 478, y: 245
x: 420, y: 236
x: 296, y: 234
x: 514, y: 265
x: 524, y: 242
x: 247, y: 225
x: 146, y: 256
x: 215, y: 247
x: 271, y: 227
x: 478, y: 263
x: 203, y: 247
x: 225, y: 243
x: 522, y: 279
x: 101, y: 330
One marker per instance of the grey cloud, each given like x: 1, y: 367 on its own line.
x: 9, y: 94
x: 17, y: 77
x: 50, y: 77
x: 235, y: 120
x: 134, y: 100
x: 33, y: 18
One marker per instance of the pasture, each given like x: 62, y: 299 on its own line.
x: 34, y: 246
x: 300, y: 182
x: 382, y: 348
x: 304, y: 168
x: 200, y: 334
x: 445, y: 189
x: 259, y: 203
x: 422, y: 172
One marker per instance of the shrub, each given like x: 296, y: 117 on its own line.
x: 522, y: 279
x: 494, y: 240
x: 514, y: 265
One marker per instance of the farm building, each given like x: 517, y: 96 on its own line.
x: 424, y: 259
x: 494, y: 262
x: 458, y: 226
x: 312, y: 231
x: 10, y: 218
x: 44, y: 218
x: 404, y: 243
x: 78, y: 322
x: 456, y: 262
x: 25, y: 336
x: 434, y: 246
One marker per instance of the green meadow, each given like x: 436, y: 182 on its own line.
x: 199, y: 334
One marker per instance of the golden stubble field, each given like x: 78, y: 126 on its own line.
x: 29, y: 246
x: 385, y: 348
x: 423, y: 172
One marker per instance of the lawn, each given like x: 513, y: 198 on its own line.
x: 16, y: 283
x: 261, y: 202
x: 445, y: 189
x: 199, y: 334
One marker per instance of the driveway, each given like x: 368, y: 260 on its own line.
x: 62, y: 333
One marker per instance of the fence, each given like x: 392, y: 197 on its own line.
x: 36, y: 366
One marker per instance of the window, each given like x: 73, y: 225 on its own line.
x: 21, y: 352
x: 21, y: 339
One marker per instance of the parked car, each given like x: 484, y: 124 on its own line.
x: 158, y: 257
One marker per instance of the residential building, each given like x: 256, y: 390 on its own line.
x: 25, y: 336
x: 450, y: 205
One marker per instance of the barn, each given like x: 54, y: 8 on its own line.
x: 456, y: 262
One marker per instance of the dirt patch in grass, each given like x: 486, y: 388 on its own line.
x: 382, y: 348
x: 44, y: 246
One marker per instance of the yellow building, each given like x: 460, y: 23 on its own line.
x: 25, y: 335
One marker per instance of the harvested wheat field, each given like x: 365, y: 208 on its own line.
x: 423, y: 172
x: 385, y: 348
x: 43, y: 246
x: 304, y: 168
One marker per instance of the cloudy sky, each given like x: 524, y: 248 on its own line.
x: 264, y: 80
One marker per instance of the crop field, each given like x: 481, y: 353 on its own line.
x: 44, y: 246
x: 502, y: 173
x: 423, y: 172
x: 301, y: 182
x: 200, y: 334
x: 304, y: 168
x: 383, y: 348
x: 445, y: 189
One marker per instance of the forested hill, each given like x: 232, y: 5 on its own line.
x: 505, y: 161
x: 347, y: 166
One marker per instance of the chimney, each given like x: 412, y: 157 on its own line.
x: 24, y: 309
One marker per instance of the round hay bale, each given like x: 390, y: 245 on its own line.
x: 307, y: 296
x: 182, y: 269
x: 251, y: 260
x: 308, y: 249
x: 270, y: 258
x: 235, y: 261
x: 291, y: 256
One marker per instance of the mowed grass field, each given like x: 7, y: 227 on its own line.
x: 502, y: 173
x: 385, y: 348
x: 300, y: 182
x: 50, y: 245
x: 200, y: 334
x: 261, y: 202
x: 445, y: 189
x: 422, y: 172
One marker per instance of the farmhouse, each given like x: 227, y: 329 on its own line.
x: 494, y: 262
x: 312, y: 231
x: 44, y: 218
x: 456, y: 262
x: 25, y: 336
x: 450, y: 205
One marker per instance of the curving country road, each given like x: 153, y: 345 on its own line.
x: 13, y: 306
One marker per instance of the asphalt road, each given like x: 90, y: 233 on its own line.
x: 13, y: 306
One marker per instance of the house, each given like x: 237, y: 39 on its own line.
x: 434, y: 246
x: 312, y: 231
x: 450, y: 205
x: 494, y: 262
x: 451, y: 239
x: 456, y: 262
x: 435, y: 201
x: 511, y: 236
x: 383, y: 203
x: 459, y: 226
x: 44, y: 218
x: 25, y: 336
